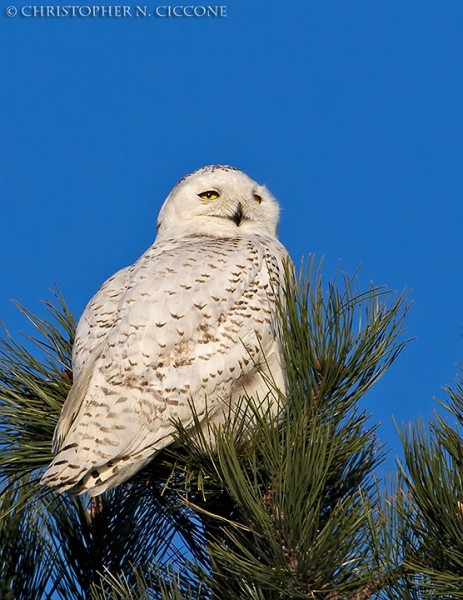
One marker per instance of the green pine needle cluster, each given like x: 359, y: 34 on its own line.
x: 32, y: 390
x: 433, y: 512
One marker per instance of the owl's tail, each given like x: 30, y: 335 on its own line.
x: 64, y: 476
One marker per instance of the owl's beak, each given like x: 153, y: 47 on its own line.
x: 237, y: 216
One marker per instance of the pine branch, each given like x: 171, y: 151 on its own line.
x: 25, y: 557
x: 32, y: 391
x: 433, y: 478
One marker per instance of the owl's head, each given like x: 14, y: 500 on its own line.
x: 218, y: 201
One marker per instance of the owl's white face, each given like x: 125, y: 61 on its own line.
x: 218, y: 201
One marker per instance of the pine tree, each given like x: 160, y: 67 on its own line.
x: 288, y: 508
x: 432, y: 508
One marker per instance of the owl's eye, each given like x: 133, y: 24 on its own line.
x: 210, y: 195
x: 257, y: 198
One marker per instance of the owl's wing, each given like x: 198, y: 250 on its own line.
x: 195, y: 316
x: 93, y: 327
x: 98, y: 318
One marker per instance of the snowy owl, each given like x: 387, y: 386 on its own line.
x: 192, y: 322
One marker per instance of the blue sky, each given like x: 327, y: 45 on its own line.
x: 350, y: 111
